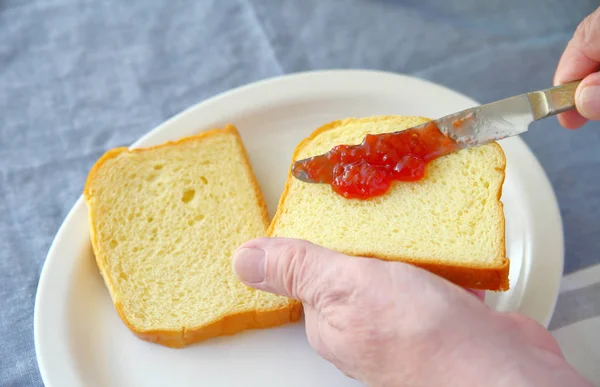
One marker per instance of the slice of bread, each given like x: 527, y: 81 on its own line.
x: 164, y: 223
x: 451, y: 222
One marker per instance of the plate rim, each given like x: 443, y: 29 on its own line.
x: 542, y: 176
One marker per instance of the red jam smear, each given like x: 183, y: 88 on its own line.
x: 368, y: 169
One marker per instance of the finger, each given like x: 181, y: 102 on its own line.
x: 580, y: 58
x: 582, y: 54
x: 587, y: 97
x: 571, y: 119
x: 587, y: 102
x: 290, y: 267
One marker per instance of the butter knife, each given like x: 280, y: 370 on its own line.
x: 493, y: 121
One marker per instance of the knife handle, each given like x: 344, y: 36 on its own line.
x: 549, y: 102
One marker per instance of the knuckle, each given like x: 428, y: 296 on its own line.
x: 293, y: 268
x: 349, y: 298
x: 306, y: 272
x: 340, y: 285
x: 332, y: 295
x: 587, y: 33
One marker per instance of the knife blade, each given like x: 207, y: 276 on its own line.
x: 490, y: 122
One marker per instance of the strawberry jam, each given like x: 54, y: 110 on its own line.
x: 368, y: 169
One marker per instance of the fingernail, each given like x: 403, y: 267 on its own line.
x: 249, y: 265
x: 588, y: 102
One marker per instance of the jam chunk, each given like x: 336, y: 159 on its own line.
x: 368, y: 169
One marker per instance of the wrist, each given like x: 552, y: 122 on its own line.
x: 518, y: 352
x: 514, y: 352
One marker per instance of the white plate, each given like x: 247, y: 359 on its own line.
x: 80, y: 340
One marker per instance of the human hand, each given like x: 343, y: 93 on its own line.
x: 581, y: 60
x: 392, y: 324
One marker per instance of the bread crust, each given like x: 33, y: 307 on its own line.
x: 494, y: 278
x: 228, y: 325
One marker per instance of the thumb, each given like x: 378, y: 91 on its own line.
x: 289, y: 267
x: 587, y: 98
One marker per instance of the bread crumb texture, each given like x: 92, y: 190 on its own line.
x: 165, y: 222
x: 451, y: 222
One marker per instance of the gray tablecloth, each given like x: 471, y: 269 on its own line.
x: 78, y: 77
